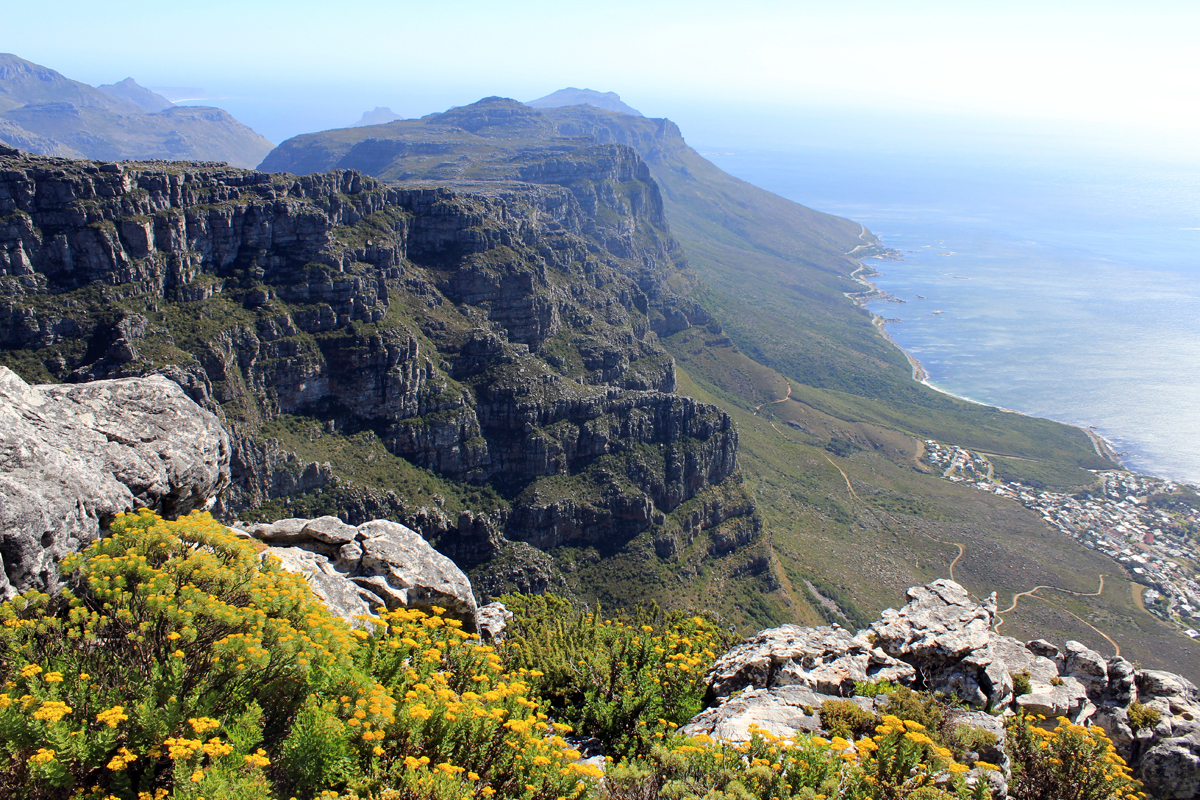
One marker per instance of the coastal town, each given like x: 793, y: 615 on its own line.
x: 1150, y: 526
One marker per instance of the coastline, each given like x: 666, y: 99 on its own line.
x: 1103, y: 447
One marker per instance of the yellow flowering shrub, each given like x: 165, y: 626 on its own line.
x: 900, y: 761
x: 160, y: 623
x: 446, y: 720
x: 1066, y: 761
x: 621, y: 680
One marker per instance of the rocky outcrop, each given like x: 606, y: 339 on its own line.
x: 826, y: 660
x: 783, y: 711
x: 358, y: 569
x: 946, y: 636
x: 942, y: 641
x: 73, y: 457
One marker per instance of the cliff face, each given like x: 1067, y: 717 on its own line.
x: 477, y: 360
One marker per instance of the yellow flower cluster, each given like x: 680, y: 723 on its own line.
x: 449, y: 694
x: 1075, y: 756
x: 52, y: 711
x: 113, y: 716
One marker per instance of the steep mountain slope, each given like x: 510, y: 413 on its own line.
x: 479, y: 360
x: 830, y: 421
x: 42, y: 111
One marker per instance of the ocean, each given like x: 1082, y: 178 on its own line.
x: 1057, y: 282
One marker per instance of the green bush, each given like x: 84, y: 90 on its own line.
x: 874, y: 688
x: 160, y: 625
x: 622, y: 680
x: 846, y: 718
x: 1021, y: 683
x: 178, y: 663
x: 1068, y: 761
x: 919, y: 707
x: 1142, y: 716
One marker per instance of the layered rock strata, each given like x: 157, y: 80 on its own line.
x: 498, y: 334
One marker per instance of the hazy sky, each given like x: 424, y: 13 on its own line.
x: 1123, y: 63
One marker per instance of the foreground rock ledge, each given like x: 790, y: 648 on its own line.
x: 72, y: 457
x: 943, y: 641
x: 358, y: 569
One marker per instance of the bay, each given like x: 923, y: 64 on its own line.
x: 1063, y: 284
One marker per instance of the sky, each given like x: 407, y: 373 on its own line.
x: 286, y: 67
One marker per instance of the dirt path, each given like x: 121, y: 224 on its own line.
x: 1019, y: 595
x: 784, y: 399
x: 961, y: 550
x: 1032, y: 593
x: 845, y: 477
x: 1116, y: 647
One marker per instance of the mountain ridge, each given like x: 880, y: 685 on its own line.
x: 43, y: 111
x: 831, y: 423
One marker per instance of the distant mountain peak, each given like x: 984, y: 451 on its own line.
x: 47, y: 113
x: 130, y: 90
x: 380, y: 116
x: 493, y: 116
x: 609, y: 101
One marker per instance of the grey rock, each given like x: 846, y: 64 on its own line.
x: 783, y: 711
x: 381, y: 563
x: 283, y: 531
x: 330, y: 530
x: 1043, y: 648
x: 1087, y: 666
x: 946, y: 637
x: 826, y: 659
x: 344, y: 598
x: 1157, y: 683
x: 1065, y: 700
x: 1115, y: 721
x: 1022, y: 658
x: 492, y: 620
x: 1122, y: 683
x: 417, y: 574
x: 940, y: 622
x: 1171, y: 769
x: 74, y: 456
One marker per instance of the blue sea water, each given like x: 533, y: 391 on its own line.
x: 1067, y: 283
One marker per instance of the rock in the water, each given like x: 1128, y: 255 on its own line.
x: 379, y: 563
x: 74, y: 456
x: 827, y: 660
